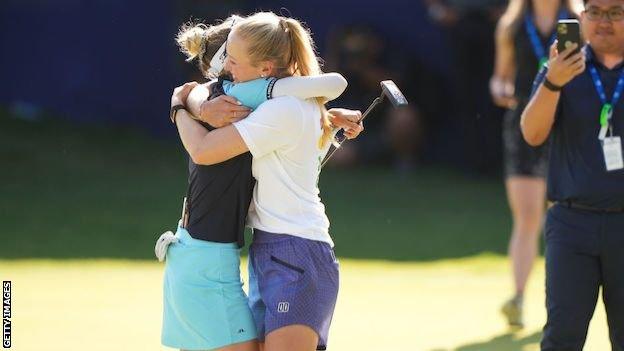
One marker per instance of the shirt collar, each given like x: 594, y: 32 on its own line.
x: 591, y: 58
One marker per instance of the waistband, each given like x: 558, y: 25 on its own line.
x: 185, y: 238
x: 577, y: 206
x: 262, y: 237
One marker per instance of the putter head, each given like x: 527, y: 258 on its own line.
x: 392, y: 92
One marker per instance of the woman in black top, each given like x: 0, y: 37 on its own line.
x: 523, y: 36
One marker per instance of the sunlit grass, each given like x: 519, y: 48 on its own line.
x: 444, y: 305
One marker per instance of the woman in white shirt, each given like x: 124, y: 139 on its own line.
x: 293, y: 269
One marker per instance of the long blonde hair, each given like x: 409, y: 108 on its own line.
x: 289, y: 46
x: 200, y: 42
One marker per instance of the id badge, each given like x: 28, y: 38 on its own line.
x: 612, y: 148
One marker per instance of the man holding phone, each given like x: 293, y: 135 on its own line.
x: 577, y: 103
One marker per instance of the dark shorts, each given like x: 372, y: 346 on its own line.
x: 292, y: 281
x: 520, y: 158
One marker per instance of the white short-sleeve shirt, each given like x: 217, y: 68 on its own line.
x: 282, y: 135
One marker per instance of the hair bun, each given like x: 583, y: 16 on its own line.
x: 191, y: 40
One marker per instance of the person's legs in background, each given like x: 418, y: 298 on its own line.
x: 526, y: 196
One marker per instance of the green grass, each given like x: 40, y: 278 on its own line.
x: 72, y: 191
x: 447, y: 305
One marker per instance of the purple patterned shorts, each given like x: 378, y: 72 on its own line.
x: 292, y: 281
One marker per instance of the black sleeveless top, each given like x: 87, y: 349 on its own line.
x: 526, y: 61
x: 219, y: 195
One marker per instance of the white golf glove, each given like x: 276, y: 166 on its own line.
x: 162, y: 244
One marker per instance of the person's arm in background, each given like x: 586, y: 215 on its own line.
x: 538, y: 117
x: 502, y: 82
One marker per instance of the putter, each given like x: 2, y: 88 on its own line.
x: 388, y: 90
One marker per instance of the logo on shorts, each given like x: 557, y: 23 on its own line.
x: 283, y: 307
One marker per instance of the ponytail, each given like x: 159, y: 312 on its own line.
x: 304, y: 62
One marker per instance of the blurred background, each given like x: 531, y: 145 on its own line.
x: 91, y: 168
x: 86, y: 137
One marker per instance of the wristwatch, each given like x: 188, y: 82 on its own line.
x: 551, y: 86
x: 174, y: 112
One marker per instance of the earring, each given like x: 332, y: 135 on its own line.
x: 262, y: 75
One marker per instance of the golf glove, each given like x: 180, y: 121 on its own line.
x: 162, y: 244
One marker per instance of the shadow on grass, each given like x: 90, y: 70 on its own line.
x: 504, y: 342
x: 73, y: 191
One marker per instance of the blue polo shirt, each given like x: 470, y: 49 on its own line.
x: 577, y: 170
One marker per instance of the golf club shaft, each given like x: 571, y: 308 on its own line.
x: 375, y: 102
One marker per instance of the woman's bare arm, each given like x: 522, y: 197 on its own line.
x: 208, y: 148
x: 196, y: 97
x: 501, y: 83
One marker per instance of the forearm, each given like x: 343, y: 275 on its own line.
x: 208, y: 147
x: 539, y: 116
x: 191, y: 132
x: 198, y: 95
x: 504, y: 64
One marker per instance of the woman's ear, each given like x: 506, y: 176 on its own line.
x: 266, y: 68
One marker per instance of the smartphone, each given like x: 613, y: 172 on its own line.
x: 568, y: 33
